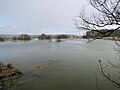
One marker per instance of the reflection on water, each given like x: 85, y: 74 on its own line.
x: 68, y: 65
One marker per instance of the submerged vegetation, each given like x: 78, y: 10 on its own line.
x: 9, y: 76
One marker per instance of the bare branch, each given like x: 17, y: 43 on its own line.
x: 109, y: 77
x: 108, y: 15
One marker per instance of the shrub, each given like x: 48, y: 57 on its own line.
x: 24, y: 37
x: 2, y: 39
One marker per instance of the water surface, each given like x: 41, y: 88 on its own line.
x: 68, y: 65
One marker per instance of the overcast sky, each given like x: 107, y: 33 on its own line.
x: 39, y: 16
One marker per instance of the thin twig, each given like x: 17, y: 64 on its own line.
x: 96, y: 81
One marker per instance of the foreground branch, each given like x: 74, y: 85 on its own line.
x: 109, y: 77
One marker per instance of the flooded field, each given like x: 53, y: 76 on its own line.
x: 68, y: 65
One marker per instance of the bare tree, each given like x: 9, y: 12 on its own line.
x: 107, y: 13
x: 115, y: 77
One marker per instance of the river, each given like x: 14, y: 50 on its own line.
x: 67, y: 65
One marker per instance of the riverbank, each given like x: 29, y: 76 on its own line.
x: 111, y: 38
x: 10, y: 39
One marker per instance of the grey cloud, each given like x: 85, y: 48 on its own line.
x: 51, y: 15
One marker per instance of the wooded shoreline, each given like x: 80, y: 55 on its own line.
x: 112, y: 38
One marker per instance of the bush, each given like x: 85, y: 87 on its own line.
x: 43, y: 36
x: 62, y: 36
x: 2, y: 39
x: 14, y: 38
x: 24, y: 37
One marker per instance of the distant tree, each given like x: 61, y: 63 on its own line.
x: 39, y: 37
x: 58, y: 39
x: 2, y: 39
x: 49, y: 38
x: 42, y: 36
x: 63, y: 36
x: 24, y: 37
x: 94, y: 34
x: 14, y: 38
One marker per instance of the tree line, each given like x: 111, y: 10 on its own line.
x: 94, y: 34
x: 43, y: 36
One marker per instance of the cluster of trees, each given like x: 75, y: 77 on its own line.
x: 2, y: 39
x: 58, y: 37
x: 22, y: 37
x: 62, y: 36
x: 43, y: 36
x: 40, y: 37
x: 93, y: 34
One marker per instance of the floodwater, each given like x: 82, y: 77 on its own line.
x: 67, y: 65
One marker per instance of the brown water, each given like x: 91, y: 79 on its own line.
x: 68, y: 65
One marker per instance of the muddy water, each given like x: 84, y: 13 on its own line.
x: 68, y: 65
